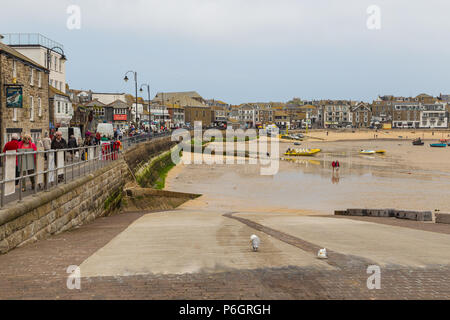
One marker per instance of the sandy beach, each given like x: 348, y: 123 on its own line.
x: 404, y: 134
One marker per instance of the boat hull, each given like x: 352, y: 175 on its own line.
x: 438, y: 145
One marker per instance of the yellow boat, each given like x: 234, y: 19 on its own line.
x: 380, y: 151
x: 302, y: 152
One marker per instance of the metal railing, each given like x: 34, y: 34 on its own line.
x: 44, y: 170
x: 30, y: 39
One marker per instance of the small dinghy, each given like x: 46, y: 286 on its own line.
x: 418, y: 142
x: 367, y: 152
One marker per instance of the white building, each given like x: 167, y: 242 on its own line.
x: 44, y: 51
x: 247, y: 115
x: 140, y: 111
x: 61, y: 108
x: 159, y: 113
x: 433, y: 116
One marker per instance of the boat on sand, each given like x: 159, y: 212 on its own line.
x: 367, y: 152
x: 302, y: 152
x: 438, y: 145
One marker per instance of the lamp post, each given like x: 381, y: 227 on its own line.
x: 149, y: 112
x: 136, y: 85
x: 63, y: 58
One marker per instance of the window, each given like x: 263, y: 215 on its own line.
x: 39, y: 79
x: 39, y: 107
x: 31, y: 109
x: 67, y: 108
x: 51, y: 82
x: 60, y: 65
x: 31, y: 76
x: 14, y: 69
x: 15, y: 114
x: 100, y: 111
x: 59, y: 107
x: 56, y: 63
x: 35, y: 136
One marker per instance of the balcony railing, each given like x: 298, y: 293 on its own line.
x: 30, y: 39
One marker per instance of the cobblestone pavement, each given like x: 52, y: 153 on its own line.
x: 38, y: 271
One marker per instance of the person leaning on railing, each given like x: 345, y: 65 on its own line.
x: 28, y: 162
x: 87, y: 143
x: 57, y: 144
x: 72, y: 145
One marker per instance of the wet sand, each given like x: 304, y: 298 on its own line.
x: 406, y: 177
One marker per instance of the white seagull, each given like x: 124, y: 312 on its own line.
x: 255, y: 242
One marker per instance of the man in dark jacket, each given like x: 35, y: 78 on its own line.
x: 72, y: 145
x: 58, y: 142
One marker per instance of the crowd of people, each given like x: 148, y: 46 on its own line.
x: 26, y: 165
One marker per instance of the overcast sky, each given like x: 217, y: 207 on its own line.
x: 248, y: 50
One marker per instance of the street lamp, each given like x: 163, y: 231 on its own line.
x: 63, y: 59
x: 136, y: 85
x: 148, y: 92
x: 63, y: 56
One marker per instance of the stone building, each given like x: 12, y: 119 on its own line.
x: 192, y: 114
x: 362, y: 115
x: 20, y: 71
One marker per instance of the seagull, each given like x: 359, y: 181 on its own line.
x: 255, y: 242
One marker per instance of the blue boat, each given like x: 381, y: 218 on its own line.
x: 438, y: 145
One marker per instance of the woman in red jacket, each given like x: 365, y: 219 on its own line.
x: 13, y: 145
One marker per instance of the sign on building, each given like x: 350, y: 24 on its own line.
x: 120, y: 117
x: 14, y: 97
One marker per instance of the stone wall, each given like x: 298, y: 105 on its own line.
x: 63, y: 207
x: 140, y: 154
x: 388, y: 213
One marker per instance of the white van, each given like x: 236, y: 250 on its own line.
x: 105, y: 129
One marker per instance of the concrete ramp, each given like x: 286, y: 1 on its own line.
x: 190, y: 241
